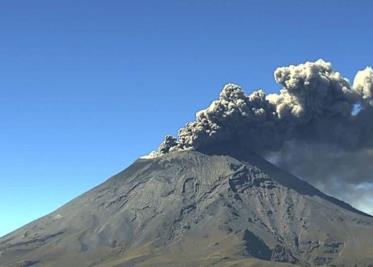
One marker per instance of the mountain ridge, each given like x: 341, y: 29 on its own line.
x: 194, y: 208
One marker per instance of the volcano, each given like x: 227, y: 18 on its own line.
x: 189, y: 208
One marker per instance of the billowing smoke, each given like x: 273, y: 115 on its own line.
x: 363, y: 84
x: 319, y: 126
x: 316, y: 104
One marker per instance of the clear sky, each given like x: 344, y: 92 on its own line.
x: 86, y: 87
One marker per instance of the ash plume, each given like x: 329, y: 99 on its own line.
x: 315, y: 105
x: 317, y: 111
x: 363, y: 84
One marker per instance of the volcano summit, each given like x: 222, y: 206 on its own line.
x: 210, y: 198
x: 192, y: 209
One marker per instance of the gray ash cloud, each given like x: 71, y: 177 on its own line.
x: 318, y: 118
x: 315, y: 105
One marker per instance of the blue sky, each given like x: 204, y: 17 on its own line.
x: 86, y: 87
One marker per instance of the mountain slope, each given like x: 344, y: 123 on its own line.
x: 193, y: 209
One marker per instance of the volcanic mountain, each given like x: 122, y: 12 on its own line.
x: 189, y: 208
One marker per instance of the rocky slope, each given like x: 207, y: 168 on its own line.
x: 194, y: 209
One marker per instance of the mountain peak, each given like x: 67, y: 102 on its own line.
x: 188, y: 208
